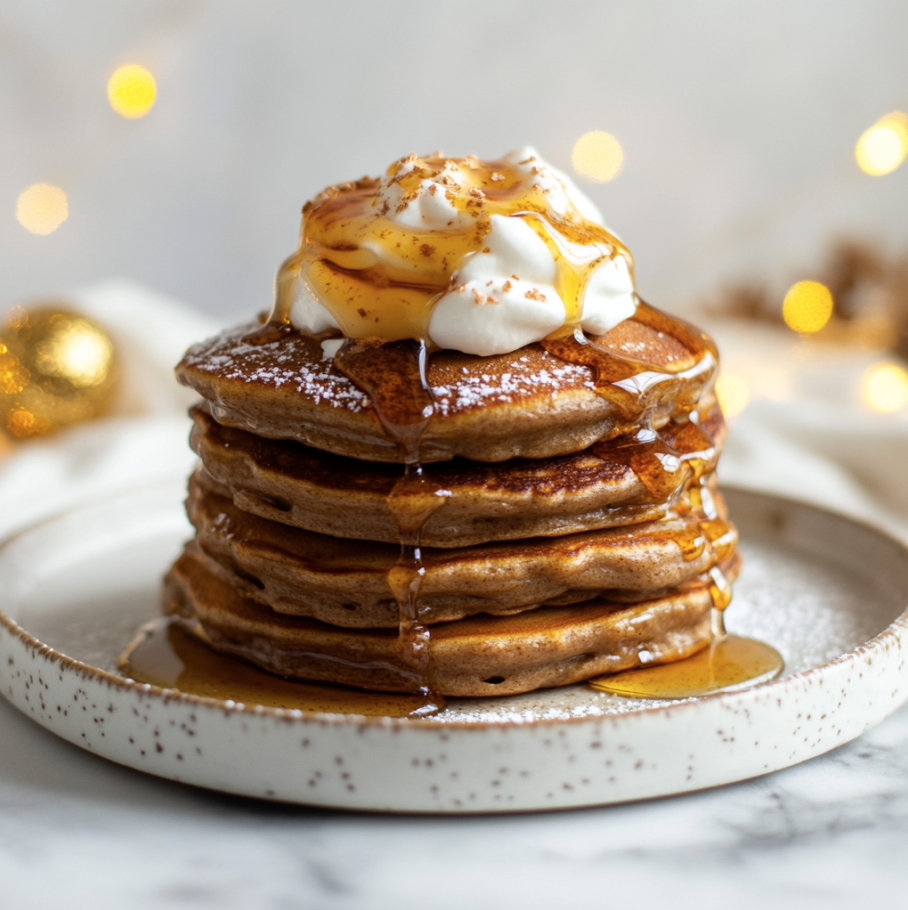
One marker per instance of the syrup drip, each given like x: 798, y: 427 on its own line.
x: 589, y: 248
x: 728, y: 663
x: 659, y: 457
x: 666, y: 462
x: 662, y: 460
x: 627, y: 382
x: 165, y: 654
x: 393, y: 375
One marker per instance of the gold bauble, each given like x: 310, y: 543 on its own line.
x: 57, y: 368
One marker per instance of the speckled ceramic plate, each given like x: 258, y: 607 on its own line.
x: 829, y: 593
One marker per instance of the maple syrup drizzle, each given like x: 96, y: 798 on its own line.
x: 728, y: 663
x: 662, y: 459
x: 166, y: 654
x: 393, y: 375
x: 634, y: 386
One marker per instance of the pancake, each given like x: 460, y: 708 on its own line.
x: 483, y: 655
x: 527, y: 404
x: 610, y: 484
x: 345, y: 582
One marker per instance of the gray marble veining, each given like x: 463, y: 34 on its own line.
x: 81, y: 832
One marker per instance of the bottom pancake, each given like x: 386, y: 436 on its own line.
x: 480, y: 655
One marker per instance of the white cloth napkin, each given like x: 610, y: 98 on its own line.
x: 817, y: 443
x: 805, y: 433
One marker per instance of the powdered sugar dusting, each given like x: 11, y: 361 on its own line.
x: 276, y: 364
x: 290, y: 362
x: 471, y: 390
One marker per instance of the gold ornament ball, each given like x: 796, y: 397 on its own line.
x: 57, y: 368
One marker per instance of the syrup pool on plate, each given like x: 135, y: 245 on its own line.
x: 166, y: 655
x: 728, y: 663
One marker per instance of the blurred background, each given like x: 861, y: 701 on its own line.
x: 749, y: 153
x: 738, y: 124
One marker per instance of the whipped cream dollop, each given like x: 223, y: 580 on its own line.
x: 474, y: 256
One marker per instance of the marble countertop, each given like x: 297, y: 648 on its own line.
x: 78, y: 831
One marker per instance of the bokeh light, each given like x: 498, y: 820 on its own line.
x: 884, y: 387
x: 14, y: 377
x: 597, y: 156
x: 883, y: 147
x: 131, y: 91
x: 733, y: 393
x: 807, y: 306
x: 23, y: 423
x: 42, y: 208
x: 75, y: 350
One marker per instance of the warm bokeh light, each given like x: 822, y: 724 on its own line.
x: 884, y: 387
x: 75, y: 350
x: 14, y: 377
x: 733, y: 393
x: 131, y: 91
x: 597, y: 156
x: 807, y: 306
x: 22, y: 423
x: 42, y: 208
x: 883, y: 147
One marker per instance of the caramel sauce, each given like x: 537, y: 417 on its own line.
x: 393, y: 375
x: 730, y: 662
x: 165, y: 654
x: 381, y: 278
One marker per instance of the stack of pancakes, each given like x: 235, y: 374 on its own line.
x: 560, y: 524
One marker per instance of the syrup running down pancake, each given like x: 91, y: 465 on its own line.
x: 345, y: 582
x: 482, y: 655
x: 615, y: 483
x: 460, y: 457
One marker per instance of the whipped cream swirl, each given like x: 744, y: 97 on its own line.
x: 479, y: 257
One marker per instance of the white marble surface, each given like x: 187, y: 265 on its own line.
x: 76, y: 831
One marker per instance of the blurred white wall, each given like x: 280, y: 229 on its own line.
x: 738, y: 122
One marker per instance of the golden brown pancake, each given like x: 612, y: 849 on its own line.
x: 345, y: 582
x: 610, y: 484
x: 526, y: 404
x: 482, y: 655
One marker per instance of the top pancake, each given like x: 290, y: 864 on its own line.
x: 529, y: 403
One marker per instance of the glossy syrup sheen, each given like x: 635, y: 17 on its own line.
x: 380, y: 278
x: 394, y: 377
x: 629, y: 382
x: 166, y: 655
x: 730, y: 662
